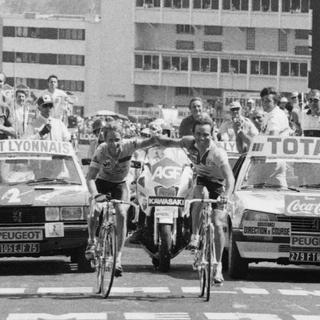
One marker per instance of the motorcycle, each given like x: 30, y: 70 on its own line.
x: 163, y: 184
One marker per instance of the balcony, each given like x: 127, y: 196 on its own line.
x: 230, y: 18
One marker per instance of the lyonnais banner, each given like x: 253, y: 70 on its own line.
x: 302, y: 205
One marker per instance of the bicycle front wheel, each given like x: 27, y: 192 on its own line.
x: 208, y: 260
x: 201, y: 263
x: 107, y: 260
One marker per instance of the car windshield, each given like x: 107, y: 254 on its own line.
x: 295, y: 174
x: 38, y: 170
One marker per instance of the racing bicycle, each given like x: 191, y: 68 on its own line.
x: 105, y: 254
x: 204, y: 259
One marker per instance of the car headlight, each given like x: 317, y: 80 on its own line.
x: 52, y: 214
x: 71, y: 213
x: 249, y: 215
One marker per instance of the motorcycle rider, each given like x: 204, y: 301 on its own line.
x: 108, y: 172
x: 214, y: 177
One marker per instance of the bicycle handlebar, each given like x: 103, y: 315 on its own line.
x: 189, y: 202
x: 103, y: 199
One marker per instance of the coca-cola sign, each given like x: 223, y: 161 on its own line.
x: 302, y: 205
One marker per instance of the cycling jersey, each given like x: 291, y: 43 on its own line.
x: 209, y: 164
x: 110, y: 168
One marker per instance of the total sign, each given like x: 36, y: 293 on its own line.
x: 166, y: 172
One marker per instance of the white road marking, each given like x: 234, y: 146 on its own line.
x: 293, y: 292
x: 67, y: 316
x: 9, y: 291
x: 157, y: 316
x: 74, y: 290
x: 254, y: 291
x: 239, y: 316
x: 140, y: 289
x: 303, y: 317
x: 197, y: 290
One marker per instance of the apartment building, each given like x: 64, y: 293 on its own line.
x: 161, y: 52
x: 35, y: 46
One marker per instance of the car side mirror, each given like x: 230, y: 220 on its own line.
x: 85, y: 161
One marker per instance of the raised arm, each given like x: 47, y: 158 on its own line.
x: 169, y: 142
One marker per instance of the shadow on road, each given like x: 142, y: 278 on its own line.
x: 35, y: 267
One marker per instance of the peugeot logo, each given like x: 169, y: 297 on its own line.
x: 17, y: 216
x: 316, y: 224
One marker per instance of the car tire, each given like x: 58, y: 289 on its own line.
x: 78, y: 256
x: 237, y: 266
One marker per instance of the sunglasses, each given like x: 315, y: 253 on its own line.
x: 313, y: 100
x: 47, y: 105
x: 257, y: 118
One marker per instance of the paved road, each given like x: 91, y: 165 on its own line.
x: 52, y: 289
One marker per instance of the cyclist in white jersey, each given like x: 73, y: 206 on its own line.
x: 108, y: 172
x: 213, y: 175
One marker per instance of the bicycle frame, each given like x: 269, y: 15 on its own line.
x: 205, y: 254
x: 107, y: 246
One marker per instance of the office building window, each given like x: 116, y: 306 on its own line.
x: 213, y: 30
x: 176, y: 4
x: 233, y: 66
x: 263, y: 68
x: 183, y: 91
x: 184, y: 45
x: 296, y: 6
x: 72, y: 34
x: 8, y: 31
x: 175, y: 63
x: 293, y: 69
x: 148, y: 3
x: 302, y: 50
x: 206, y: 4
x: 146, y: 62
x: 235, y: 5
x: 212, y: 46
x: 184, y: 28
x: 71, y: 59
x: 282, y: 40
x: 204, y: 64
x: 48, y: 33
x: 7, y: 56
x: 302, y: 34
x: 265, y: 5
x: 251, y: 39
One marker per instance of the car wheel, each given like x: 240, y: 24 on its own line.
x: 237, y: 266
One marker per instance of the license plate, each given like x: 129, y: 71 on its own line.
x: 6, y: 248
x: 166, y: 214
x: 304, y: 256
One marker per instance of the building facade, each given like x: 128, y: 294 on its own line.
x: 169, y: 50
x: 145, y: 53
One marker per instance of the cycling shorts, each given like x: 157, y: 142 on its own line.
x: 118, y: 191
x: 214, y: 188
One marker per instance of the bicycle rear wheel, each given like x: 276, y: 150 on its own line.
x: 208, y: 260
x: 107, y: 260
x: 200, y: 263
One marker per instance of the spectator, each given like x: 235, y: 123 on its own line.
x: 6, y: 128
x: 311, y: 120
x: 21, y: 113
x: 59, y: 98
x: 45, y: 126
x: 249, y: 110
x: 258, y: 118
x: 2, y: 82
x: 238, y: 128
x: 196, y: 109
x: 275, y: 120
x: 283, y: 103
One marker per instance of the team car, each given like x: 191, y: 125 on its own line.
x: 274, y: 212
x: 43, y: 201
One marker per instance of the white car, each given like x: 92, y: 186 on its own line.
x: 274, y: 214
x: 43, y: 201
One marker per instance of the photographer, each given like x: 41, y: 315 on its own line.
x: 45, y: 127
x: 238, y: 128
